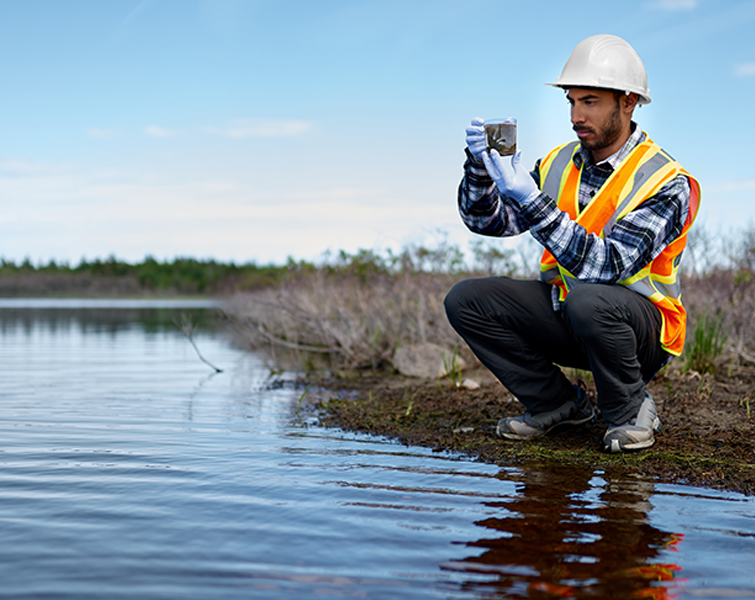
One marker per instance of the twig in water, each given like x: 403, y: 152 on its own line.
x: 301, y: 399
x: 187, y: 326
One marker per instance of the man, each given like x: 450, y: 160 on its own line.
x: 612, y: 211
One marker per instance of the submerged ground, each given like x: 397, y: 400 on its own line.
x: 707, y: 437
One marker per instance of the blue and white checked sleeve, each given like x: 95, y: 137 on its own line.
x: 637, y: 238
x: 482, y: 209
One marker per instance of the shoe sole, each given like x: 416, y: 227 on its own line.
x: 508, y: 435
x: 616, y: 446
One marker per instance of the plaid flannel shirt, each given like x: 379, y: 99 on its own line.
x: 637, y: 238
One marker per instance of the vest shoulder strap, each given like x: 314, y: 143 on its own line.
x: 553, y: 168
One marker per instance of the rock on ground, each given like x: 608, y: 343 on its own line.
x: 428, y: 361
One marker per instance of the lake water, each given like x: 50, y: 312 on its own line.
x: 129, y: 470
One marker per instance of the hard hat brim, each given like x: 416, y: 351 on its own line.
x: 643, y: 98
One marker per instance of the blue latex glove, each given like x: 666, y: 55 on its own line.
x: 518, y: 186
x: 477, y: 139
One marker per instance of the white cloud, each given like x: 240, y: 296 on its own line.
x: 67, y: 212
x: 745, y: 70
x: 157, y: 131
x: 675, y: 4
x: 101, y: 133
x: 262, y: 128
x: 19, y: 167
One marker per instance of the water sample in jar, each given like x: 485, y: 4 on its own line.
x: 501, y: 135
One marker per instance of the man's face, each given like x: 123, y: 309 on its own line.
x: 597, y: 117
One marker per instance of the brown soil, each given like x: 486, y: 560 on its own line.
x: 707, y: 437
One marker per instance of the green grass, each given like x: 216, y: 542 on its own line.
x: 703, y: 350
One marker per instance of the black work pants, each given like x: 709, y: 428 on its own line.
x: 512, y: 328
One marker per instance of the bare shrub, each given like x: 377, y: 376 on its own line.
x: 742, y: 251
x: 353, y: 321
x: 355, y: 311
x: 703, y: 252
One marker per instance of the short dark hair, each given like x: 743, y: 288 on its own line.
x: 617, y: 94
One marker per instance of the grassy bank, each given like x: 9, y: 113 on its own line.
x: 707, y: 438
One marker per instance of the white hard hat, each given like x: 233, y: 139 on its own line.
x: 605, y: 61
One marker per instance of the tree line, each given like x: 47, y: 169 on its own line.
x: 183, y: 275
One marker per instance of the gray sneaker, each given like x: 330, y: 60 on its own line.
x: 528, y: 426
x: 635, y: 434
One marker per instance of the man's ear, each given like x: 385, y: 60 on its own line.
x: 629, y: 102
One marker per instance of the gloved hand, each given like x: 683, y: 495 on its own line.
x: 518, y: 186
x: 477, y: 139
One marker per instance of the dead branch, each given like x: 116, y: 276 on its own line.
x: 187, y: 326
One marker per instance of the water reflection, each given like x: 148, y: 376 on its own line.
x: 99, y: 319
x: 572, y: 533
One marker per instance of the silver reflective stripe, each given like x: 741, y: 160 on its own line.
x: 570, y: 281
x: 552, y: 183
x: 643, y: 286
x: 549, y: 275
x: 645, y: 172
x: 647, y: 287
x: 670, y: 290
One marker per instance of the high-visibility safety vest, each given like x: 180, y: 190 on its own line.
x: 640, y: 175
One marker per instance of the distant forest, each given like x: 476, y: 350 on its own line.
x: 706, y: 255
x: 191, y: 276
x: 112, y: 276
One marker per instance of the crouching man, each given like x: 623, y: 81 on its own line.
x: 612, y: 211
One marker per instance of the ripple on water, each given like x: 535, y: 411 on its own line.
x: 129, y: 471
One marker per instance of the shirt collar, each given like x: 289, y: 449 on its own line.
x: 584, y: 157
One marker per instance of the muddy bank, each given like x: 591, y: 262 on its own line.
x: 707, y: 437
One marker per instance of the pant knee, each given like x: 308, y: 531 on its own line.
x: 584, y: 308
x: 458, y: 298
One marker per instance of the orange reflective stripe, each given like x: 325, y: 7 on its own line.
x: 597, y: 214
x: 694, y: 200
x: 640, y: 176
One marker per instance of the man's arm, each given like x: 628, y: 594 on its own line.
x: 482, y: 208
x: 635, y: 241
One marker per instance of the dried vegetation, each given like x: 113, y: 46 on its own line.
x: 352, y: 313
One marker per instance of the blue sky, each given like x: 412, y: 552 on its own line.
x: 261, y: 129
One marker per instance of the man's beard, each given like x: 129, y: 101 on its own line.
x: 608, y: 133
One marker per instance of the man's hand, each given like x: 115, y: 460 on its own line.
x: 518, y: 186
x: 477, y: 139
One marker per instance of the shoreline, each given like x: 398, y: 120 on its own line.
x: 706, y: 439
